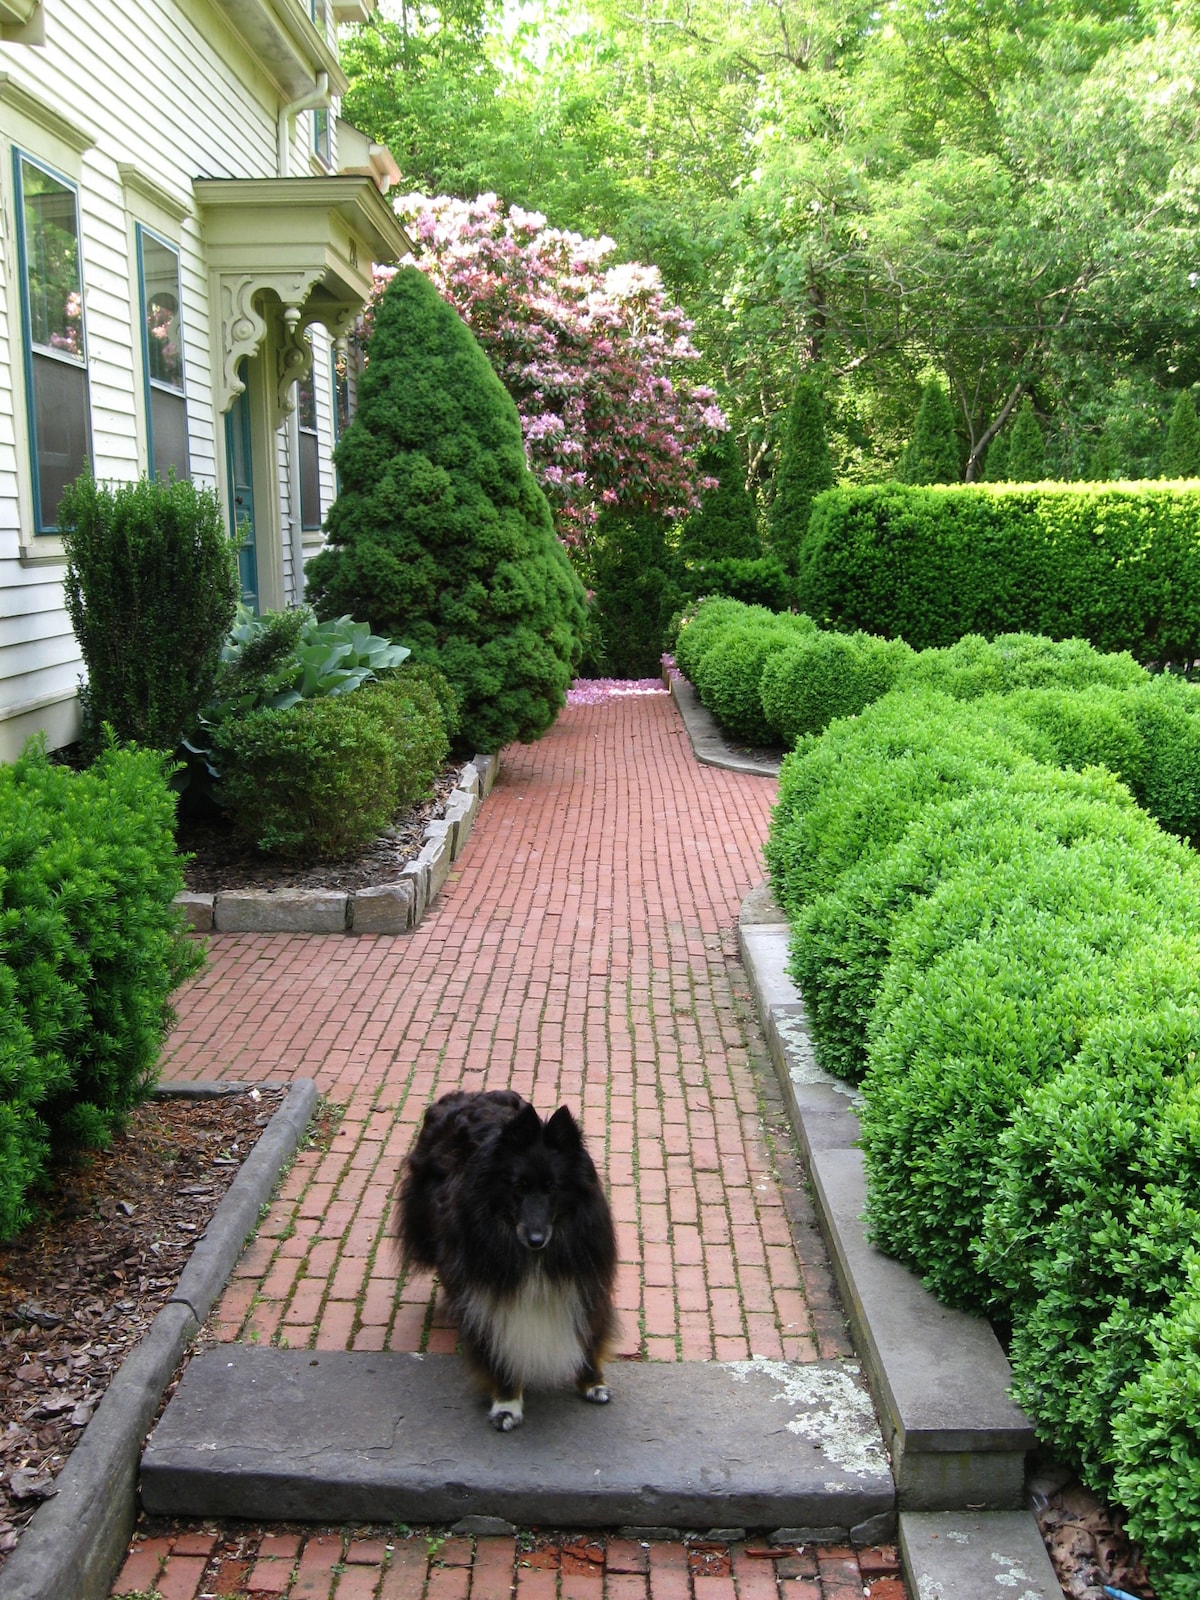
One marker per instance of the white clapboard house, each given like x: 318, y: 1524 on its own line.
x: 188, y: 235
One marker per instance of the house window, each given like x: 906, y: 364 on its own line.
x: 321, y: 141
x: 347, y: 368
x: 310, y: 476
x: 55, y: 347
x: 162, y: 355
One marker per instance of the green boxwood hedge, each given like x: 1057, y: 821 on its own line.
x: 1007, y: 952
x: 805, y: 685
x: 1117, y: 565
x: 91, y: 948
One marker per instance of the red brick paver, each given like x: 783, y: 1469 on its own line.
x: 332, y: 1565
x: 582, y: 952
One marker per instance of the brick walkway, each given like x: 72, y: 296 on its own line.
x: 582, y: 952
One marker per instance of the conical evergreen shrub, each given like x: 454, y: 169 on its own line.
x: 1104, y: 464
x: 995, y: 467
x: 440, y: 537
x: 1181, y: 458
x: 1026, y: 447
x: 804, y: 469
x: 727, y: 522
x: 932, y: 454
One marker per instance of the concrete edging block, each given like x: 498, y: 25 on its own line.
x: 386, y: 909
x: 436, y: 857
x: 73, y: 1547
x: 197, y: 910
x: 280, y: 911
x: 939, y: 1377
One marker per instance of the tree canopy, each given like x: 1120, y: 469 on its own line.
x: 1004, y: 193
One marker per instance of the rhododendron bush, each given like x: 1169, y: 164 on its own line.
x: 595, y: 357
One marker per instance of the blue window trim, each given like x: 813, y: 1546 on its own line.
x: 20, y: 156
x: 142, y: 232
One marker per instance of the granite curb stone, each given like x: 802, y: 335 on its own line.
x: 708, y: 743
x: 74, y: 1545
x: 939, y: 1376
x: 387, y: 908
x: 956, y: 1555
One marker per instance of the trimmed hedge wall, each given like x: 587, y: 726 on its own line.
x: 1119, y: 566
x: 91, y: 948
x: 1007, y: 953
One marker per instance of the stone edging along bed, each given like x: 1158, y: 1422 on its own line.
x: 393, y: 907
x: 74, y: 1544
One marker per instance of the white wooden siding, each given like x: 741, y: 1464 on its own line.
x: 170, y: 89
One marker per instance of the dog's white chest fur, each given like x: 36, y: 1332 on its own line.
x: 536, y: 1333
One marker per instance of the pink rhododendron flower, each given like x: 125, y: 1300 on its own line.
x: 595, y: 357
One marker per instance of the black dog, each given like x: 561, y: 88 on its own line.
x: 511, y: 1214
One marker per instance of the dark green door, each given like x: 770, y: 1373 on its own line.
x: 241, y: 487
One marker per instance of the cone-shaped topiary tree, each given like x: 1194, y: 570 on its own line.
x: 440, y: 537
x: 1026, y: 447
x: 995, y: 469
x: 1104, y: 463
x: 726, y: 523
x: 636, y: 592
x: 1181, y: 458
x: 932, y: 453
x: 804, y: 469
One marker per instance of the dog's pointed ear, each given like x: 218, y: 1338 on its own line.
x: 562, y: 1131
x: 523, y: 1129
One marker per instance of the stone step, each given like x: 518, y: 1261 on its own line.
x: 357, y: 1437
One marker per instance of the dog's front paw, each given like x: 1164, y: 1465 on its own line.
x: 506, y: 1415
x: 598, y: 1393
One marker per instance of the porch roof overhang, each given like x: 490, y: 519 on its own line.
x: 302, y: 248
x: 286, y: 42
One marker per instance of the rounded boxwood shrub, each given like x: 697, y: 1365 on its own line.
x: 805, y: 686
x: 701, y: 627
x: 993, y: 982
x: 729, y: 674
x: 1095, y: 1208
x: 440, y: 536
x: 852, y: 791
x: 975, y: 666
x: 1156, y: 1434
x: 325, y: 776
x: 841, y: 940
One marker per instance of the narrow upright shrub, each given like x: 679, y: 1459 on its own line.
x: 1104, y: 463
x: 151, y: 590
x: 1181, y: 457
x: 726, y: 524
x: 932, y: 453
x: 804, y: 469
x: 636, y: 591
x: 440, y: 537
x: 995, y: 467
x: 1026, y: 447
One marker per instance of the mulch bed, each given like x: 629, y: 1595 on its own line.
x: 81, y: 1285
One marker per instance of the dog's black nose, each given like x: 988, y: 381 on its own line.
x: 536, y: 1239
